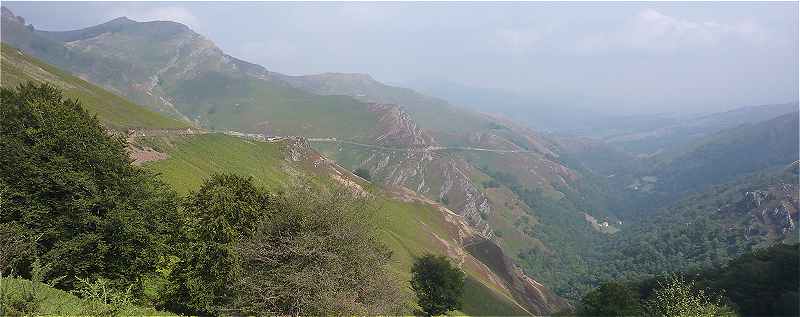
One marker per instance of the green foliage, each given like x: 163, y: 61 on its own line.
x: 611, y: 299
x: 25, y: 298
x: 761, y: 283
x: 677, y: 297
x: 316, y: 253
x: 71, y: 186
x: 216, y: 216
x: 102, y: 299
x: 438, y: 284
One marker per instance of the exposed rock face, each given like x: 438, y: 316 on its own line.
x: 773, y: 210
x: 397, y: 128
x: 414, y: 165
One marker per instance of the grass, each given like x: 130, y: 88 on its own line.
x: 22, y: 297
x: 409, y: 229
x: 114, y: 112
x: 194, y: 158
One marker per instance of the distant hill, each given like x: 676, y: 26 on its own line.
x: 433, y: 114
x: 708, y: 228
x: 736, y: 151
x: 114, y: 112
x: 663, y: 139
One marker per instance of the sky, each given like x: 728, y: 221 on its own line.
x: 621, y: 57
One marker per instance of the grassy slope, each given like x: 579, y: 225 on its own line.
x: 114, y: 111
x: 427, y: 111
x: 223, y: 102
x: 58, y: 302
x: 193, y: 159
x: 408, y: 227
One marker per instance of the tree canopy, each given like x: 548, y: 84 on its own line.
x: 438, y: 284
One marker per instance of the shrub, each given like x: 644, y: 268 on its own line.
x: 678, y: 297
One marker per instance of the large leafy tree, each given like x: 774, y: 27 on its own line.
x: 611, y: 299
x: 438, y: 284
x: 70, y: 185
x: 216, y: 217
x: 304, y: 251
x: 317, y: 252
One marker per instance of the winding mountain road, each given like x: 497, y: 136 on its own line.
x: 137, y: 133
x: 416, y: 149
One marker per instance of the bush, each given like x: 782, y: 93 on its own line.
x: 678, y: 297
x: 438, y: 284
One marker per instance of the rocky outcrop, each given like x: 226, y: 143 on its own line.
x: 297, y: 149
x: 440, y: 176
x: 773, y: 211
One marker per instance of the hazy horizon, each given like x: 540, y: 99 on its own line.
x: 616, y: 57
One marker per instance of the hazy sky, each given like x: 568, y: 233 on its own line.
x: 642, y: 57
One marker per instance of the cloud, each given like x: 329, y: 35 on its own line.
x: 170, y: 13
x: 655, y: 32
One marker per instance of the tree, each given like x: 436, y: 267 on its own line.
x: 363, y: 173
x: 611, y: 299
x: 678, y: 297
x: 438, y: 284
x: 225, y: 209
x: 317, y: 252
x: 70, y: 186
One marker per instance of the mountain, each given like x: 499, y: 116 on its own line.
x: 667, y: 138
x: 425, y: 110
x: 177, y: 72
x: 708, y: 228
x: 413, y: 224
x: 709, y: 161
x: 170, y: 68
x: 114, y: 111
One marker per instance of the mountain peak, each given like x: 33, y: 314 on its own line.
x: 348, y: 76
x: 8, y: 15
x: 121, y: 20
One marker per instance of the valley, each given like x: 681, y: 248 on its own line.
x: 535, y: 220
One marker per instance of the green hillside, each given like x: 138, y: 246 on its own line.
x: 221, y: 101
x: 730, y: 153
x: 113, y: 111
x: 409, y: 229
x: 427, y: 111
